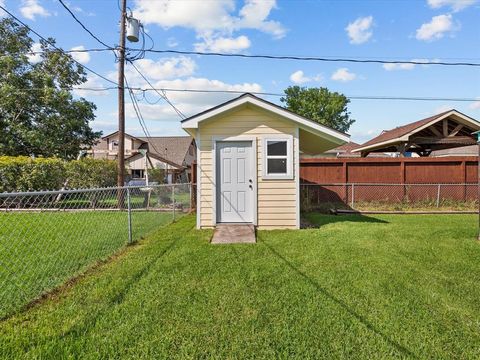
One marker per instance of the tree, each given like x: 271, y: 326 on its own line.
x: 320, y: 105
x: 38, y: 114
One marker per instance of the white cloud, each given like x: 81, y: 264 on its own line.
x: 32, y: 8
x: 166, y: 68
x: 93, y: 82
x: 224, y: 44
x: 456, y: 5
x: 81, y: 57
x: 298, y: 77
x: 423, y: 63
x: 436, y: 28
x: 189, y: 103
x: 475, y: 105
x: 343, y: 75
x: 32, y: 57
x: 211, y: 19
x: 254, y: 15
x: 392, y: 67
x: 360, y: 31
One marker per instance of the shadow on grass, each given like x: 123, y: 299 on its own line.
x: 88, y: 323
x: 399, y: 347
x: 315, y: 220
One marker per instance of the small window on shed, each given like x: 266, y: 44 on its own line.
x: 278, y: 158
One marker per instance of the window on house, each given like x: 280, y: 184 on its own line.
x: 278, y: 158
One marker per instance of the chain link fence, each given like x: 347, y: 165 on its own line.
x: 49, y: 237
x: 389, y: 197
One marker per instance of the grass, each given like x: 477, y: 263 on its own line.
x: 41, y: 250
x: 355, y: 287
x: 425, y: 205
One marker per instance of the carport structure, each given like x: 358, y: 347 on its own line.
x: 446, y: 130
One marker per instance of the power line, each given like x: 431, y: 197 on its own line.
x: 83, y: 26
x: 39, y: 52
x: 351, y: 59
x: 326, y: 57
x: 237, y: 92
x: 313, y: 58
x: 139, y: 115
x: 56, y: 47
x: 161, y: 94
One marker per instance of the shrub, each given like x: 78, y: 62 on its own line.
x: 91, y: 173
x: 22, y: 173
x: 157, y: 175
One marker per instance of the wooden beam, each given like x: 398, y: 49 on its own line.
x: 456, y: 130
x: 445, y: 127
x: 435, y: 132
x: 460, y: 140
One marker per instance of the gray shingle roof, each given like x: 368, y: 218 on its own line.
x: 172, y: 148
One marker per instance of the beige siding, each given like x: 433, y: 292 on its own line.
x: 276, y: 199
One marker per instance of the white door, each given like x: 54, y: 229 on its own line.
x: 234, y: 181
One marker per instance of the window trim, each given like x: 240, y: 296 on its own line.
x: 289, y: 174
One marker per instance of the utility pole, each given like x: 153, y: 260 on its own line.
x: 121, y: 98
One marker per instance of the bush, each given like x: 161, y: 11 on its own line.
x: 22, y: 173
x: 157, y: 175
x: 91, y: 173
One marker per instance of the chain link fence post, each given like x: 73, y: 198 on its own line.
x: 438, y: 195
x: 353, y: 196
x: 173, y: 201
x: 129, y: 216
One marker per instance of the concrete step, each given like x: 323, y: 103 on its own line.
x: 234, y: 234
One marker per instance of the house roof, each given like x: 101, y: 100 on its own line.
x: 155, y: 156
x: 169, y: 149
x: 115, y: 132
x: 345, y: 148
x: 172, y: 148
x: 401, y: 133
x: 306, y: 124
x: 347, y: 151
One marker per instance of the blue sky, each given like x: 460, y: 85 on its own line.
x: 396, y: 29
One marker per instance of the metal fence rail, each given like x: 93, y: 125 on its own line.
x: 360, y: 196
x: 48, y: 237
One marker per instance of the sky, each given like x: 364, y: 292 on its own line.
x: 433, y: 30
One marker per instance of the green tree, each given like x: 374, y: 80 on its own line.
x: 38, y: 114
x: 320, y: 105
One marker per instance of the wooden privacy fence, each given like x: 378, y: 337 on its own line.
x: 388, y: 180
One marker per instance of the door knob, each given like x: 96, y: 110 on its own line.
x: 250, y: 180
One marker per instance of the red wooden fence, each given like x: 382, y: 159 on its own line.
x: 447, y: 170
x: 384, y: 171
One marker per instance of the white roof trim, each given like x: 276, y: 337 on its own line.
x: 406, y: 136
x: 309, y: 125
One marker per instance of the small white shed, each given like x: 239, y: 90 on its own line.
x: 248, y: 162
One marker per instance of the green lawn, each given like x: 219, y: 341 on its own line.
x: 355, y: 287
x: 39, y: 251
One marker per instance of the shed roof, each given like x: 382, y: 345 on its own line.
x: 308, y: 127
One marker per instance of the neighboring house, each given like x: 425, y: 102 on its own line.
x: 175, y: 154
x: 249, y: 163
x: 447, y: 130
x: 343, y: 151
